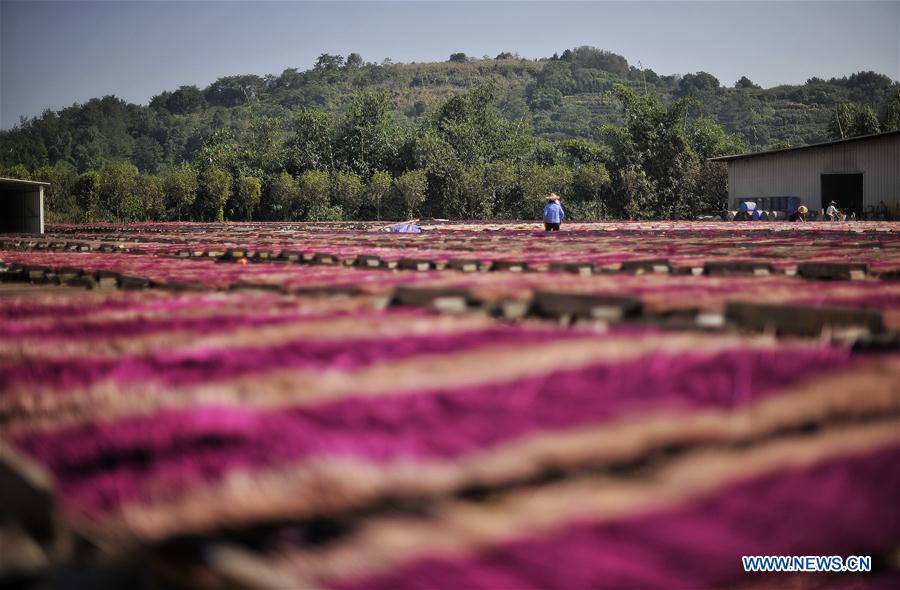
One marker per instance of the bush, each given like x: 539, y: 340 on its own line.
x: 119, y: 198
x: 411, y: 188
x: 215, y: 191
x: 324, y: 212
x: 314, y: 192
x: 87, y: 194
x: 150, y: 193
x: 377, y: 191
x: 280, y: 197
x: 244, y: 204
x: 347, y: 191
x: 179, y: 192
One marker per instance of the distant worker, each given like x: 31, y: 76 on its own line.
x: 882, y: 211
x: 832, y: 213
x: 799, y: 214
x: 553, y: 213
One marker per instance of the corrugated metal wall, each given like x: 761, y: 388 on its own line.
x: 798, y: 173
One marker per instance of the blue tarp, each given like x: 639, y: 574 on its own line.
x: 403, y: 228
x: 787, y: 204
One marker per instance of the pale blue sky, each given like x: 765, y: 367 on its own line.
x: 55, y: 53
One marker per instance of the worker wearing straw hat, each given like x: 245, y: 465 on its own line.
x: 553, y: 213
x: 799, y: 214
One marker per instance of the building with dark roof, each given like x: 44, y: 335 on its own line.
x: 856, y: 173
x: 22, y: 206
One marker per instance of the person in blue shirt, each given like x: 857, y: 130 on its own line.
x: 553, y: 213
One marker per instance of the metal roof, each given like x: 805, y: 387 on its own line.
x: 16, y: 181
x: 804, y: 147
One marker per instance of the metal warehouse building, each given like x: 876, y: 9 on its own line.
x: 856, y: 173
x: 21, y: 206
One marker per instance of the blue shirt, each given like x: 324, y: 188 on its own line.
x: 553, y: 212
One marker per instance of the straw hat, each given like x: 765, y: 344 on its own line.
x: 552, y: 197
x: 803, y: 209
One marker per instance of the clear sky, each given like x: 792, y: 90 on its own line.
x: 55, y: 53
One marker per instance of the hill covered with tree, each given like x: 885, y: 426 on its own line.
x: 462, y: 138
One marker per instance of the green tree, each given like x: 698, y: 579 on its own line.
x: 479, y: 197
x: 377, y: 191
x: 347, y: 191
x: 473, y: 127
x: 118, y: 192
x: 27, y: 149
x: 590, y: 185
x: 234, y: 91
x: 280, y: 197
x: 545, y: 98
x: 853, y: 120
x: 699, y: 83
x: 456, y: 146
x: 865, y: 122
x: 654, y: 165
x: 411, y: 188
x: 59, y: 196
x: 328, y: 62
x: 746, y: 83
x: 87, y: 194
x: 220, y: 150
x: 262, y: 150
x: 712, y: 187
x: 536, y: 181
x: 314, y: 193
x: 591, y: 57
x: 245, y: 200
x: 89, y: 152
x: 368, y: 138
x: 180, y: 187
x: 709, y: 139
x: 214, y: 191
x: 150, y: 193
x: 354, y: 62
x: 311, y: 144
x: 18, y: 171
x: 890, y: 118
x: 187, y: 99
x: 557, y: 76
x: 444, y: 177
x: 636, y: 194
x: 501, y: 178
x: 147, y: 154
x: 322, y: 211
x: 841, y: 121
x: 582, y: 151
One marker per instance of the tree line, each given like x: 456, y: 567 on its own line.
x: 565, y: 96
x: 464, y: 161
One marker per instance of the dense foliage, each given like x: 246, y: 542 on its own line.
x: 462, y: 139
